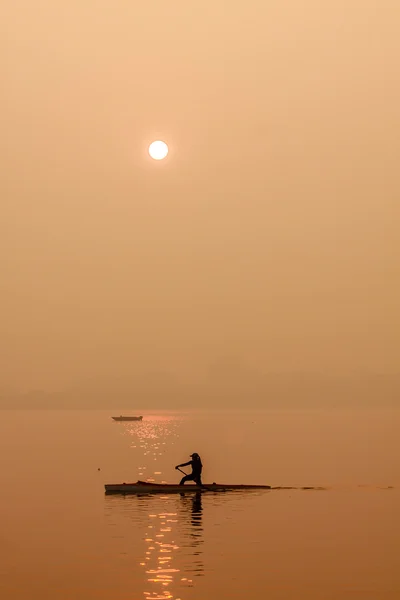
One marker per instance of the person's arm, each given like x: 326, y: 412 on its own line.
x: 184, y: 464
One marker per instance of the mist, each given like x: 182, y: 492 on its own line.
x: 259, y: 263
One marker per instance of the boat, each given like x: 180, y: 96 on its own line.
x: 146, y: 487
x: 121, y: 418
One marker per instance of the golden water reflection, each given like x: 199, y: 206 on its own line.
x: 151, y: 437
x: 164, y: 578
x: 174, y: 533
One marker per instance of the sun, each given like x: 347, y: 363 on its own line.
x: 158, y: 150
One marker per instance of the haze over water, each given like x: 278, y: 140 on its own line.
x: 264, y: 249
x: 257, y: 266
x: 61, y: 537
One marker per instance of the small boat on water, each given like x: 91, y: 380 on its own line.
x: 121, y: 418
x: 145, y: 487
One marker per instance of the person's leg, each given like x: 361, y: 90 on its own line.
x: 185, y: 479
x: 198, y: 480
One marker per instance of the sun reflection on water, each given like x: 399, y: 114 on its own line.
x: 159, y: 563
x: 168, y: 565
x: 151, y: 438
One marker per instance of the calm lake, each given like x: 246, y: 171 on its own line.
x: 62, y: 538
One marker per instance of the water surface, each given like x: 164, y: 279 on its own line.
x: 61, y: 537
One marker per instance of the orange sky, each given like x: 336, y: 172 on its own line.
x: 268, y: 240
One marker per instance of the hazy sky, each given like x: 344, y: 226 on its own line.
x: 269, y: 238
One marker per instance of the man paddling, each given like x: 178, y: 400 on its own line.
x: 197, y: 468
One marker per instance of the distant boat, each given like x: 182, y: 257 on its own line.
x: 121, y: 418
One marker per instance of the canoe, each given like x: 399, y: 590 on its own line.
x: 121, y: 418
x: 144, y: 487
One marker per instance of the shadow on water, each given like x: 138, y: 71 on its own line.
x: 172, y: 533
x: 193, y: 537
x: 164, y: 536
x: 171, y: 530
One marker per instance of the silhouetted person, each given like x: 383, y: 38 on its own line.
x: 197, y: 468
